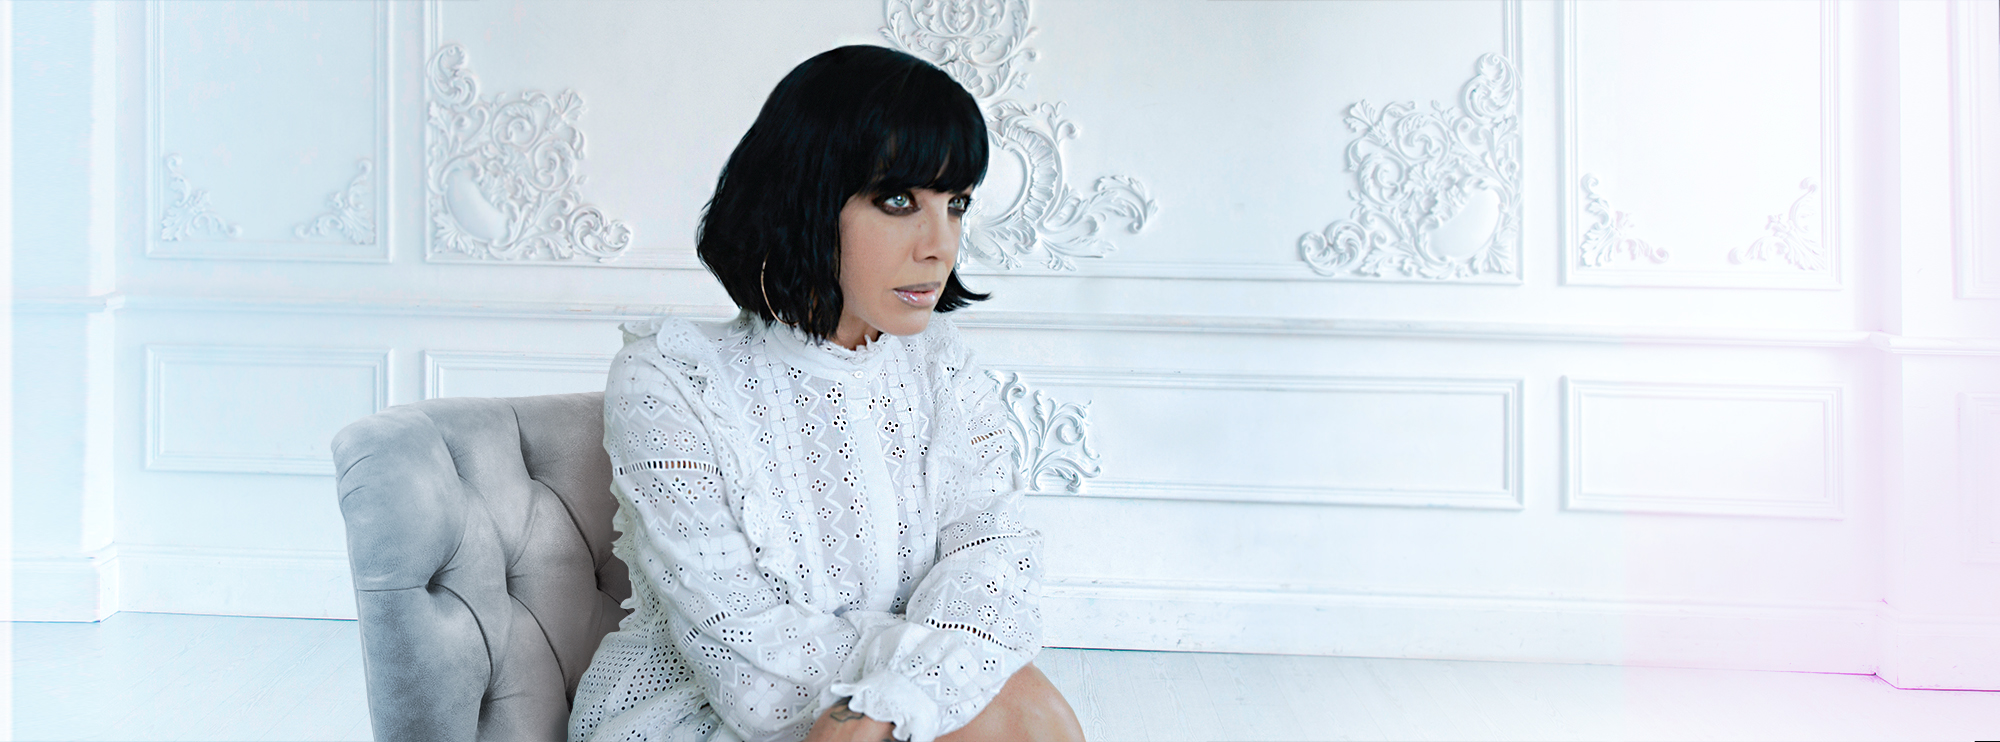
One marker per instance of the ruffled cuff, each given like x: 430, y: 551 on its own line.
x: 873, y: 688
x: 887, y: 696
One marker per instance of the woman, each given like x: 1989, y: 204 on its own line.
x: 815, y: 498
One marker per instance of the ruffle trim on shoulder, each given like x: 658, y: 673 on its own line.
x: 950, y: 366
x: 694, y: 355
x: 640, y: 328
x: 623, y: 547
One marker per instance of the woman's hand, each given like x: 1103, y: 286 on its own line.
x: 842, y: 724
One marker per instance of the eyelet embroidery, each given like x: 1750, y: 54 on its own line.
x: 806, y: 535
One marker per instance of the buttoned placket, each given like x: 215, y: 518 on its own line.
x: 872, y: 467
x: 819, y: 595
x: 882, y: 579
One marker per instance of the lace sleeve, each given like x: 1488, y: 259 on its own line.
x: 761, y: 661
x: 975, y: 619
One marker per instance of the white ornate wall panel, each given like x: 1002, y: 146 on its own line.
x: 1230, y: 448
x: 267, y: 130
x: 462, y: 374
x: 1243, y: 116
x: 1976, y: 157
x: 638, y: 102
x: 256, y: 410
x: 1300, y: 439
x: 1701, y: 143
x: 1035, y: 209
x: 1085, y: 149
x: 1703, y: 449
x: 1979, y: 472
x: 1438, y: 192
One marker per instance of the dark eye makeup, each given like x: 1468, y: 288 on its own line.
x: 904, y: 203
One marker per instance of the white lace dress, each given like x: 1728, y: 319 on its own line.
x: 805, y: 523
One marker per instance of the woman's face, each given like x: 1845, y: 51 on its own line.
x: 895, y: 252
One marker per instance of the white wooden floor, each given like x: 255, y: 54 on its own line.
x: 151, y: 676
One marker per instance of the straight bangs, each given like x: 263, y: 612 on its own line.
x: 931, y: 136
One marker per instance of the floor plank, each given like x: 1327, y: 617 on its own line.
x: 138, y: 676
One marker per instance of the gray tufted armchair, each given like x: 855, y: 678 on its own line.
x: 479, y: 532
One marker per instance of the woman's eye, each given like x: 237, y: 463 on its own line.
x: 961, y: 204
x: 899, y: 202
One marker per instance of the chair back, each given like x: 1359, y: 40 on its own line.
x: 479, y: 532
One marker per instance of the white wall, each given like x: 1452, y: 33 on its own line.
x: 1694, y: 365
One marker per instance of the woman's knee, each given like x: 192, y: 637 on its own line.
x: 1039, y: 706
x: 1030, y: 691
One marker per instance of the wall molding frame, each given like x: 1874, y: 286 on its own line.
x: 1831, y: 506
x: 1802, y: 241
x: 181, y: 224
x: 1979, y: 491
x: 1509, y: 496
x: 160, y: 450
x: 439, y: 363
x: 1975, y: 69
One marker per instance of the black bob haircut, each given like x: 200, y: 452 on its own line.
x: 857, y: 120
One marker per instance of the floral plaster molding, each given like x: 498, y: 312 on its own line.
x: 502, y: 175
x: 349, y: 216
x: 1048, y: 218
x: 1414, y: 171
x: 1610, y: 237
x: 1792, y: 236
x: 1051, y: 440
x: 979, y: 42
x: 189, y: 214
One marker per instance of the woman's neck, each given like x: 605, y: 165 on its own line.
x: 853, y: 333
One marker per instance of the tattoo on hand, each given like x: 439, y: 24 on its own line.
x: 840, y: 712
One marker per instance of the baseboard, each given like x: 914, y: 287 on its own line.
x: 1824, y: 638
x: 236, y: 582
x: 1940, y: 652
x: 79, y: 587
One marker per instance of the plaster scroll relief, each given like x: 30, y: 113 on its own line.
x: 503, y: 175
x: 1438, y: 192
x: 348, y: 216
x: 980, y: 43
x: 1047, y: 218
x: 1792, y: 237
x: 1609, y: 237
x: 188, y: 213
x: 1051, y: 439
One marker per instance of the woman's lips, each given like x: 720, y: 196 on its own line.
x: 921, y: 296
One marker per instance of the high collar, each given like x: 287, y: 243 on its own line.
x: 822, y: 358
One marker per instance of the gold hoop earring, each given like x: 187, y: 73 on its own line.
x: 767, y: 293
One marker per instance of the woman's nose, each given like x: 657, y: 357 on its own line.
x: 940, y: 235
